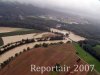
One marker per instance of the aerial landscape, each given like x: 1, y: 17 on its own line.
x: 49, y: 37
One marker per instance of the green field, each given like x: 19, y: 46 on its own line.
x: 97, y: 49
x: 87, y: 57
x: 54, y: 73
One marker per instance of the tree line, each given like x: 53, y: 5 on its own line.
x: 2, y: 65
x: 88, y: 45
x: 10, y: 46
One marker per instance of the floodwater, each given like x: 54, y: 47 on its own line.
x: 10, y: 39
x: 72, y: 36
x: 8, y: 29
x: 19, y: 49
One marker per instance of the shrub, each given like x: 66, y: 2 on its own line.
x: 37, y: 46
x: 68, y: 42
x: 45, y: 45
x: 77, y: 53
x: 16, y: 54
x: 61, y: 42
x: 28, y: 48
x: 24, y: 50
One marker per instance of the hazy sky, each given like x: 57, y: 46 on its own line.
x: 84, y: 7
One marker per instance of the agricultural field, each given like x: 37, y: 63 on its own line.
x: 8, y: 35
x: 19, y: 49
x: 9, y: 39
x: 45, y: 57
x: 9, y: 29
x: 19, y: 32
x: 93, y: 73
x: 87, y: 57
x: 71, y: 35
x: 97, y: 49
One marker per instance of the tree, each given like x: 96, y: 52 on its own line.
x: 28, y: 48
x: 67, y: 35
x: 24, y: 50
x: 37, y: 46
x: 45, y: 45
x: 61, y: 42
x: 78, y: 60
x: 77, y: 53
x: 0, y: 52
x: 16, y: 54
x: 68, y: 42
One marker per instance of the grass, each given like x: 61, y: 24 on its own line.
x: 97, y: 49
x: 87, y: 57
x: 93, y: 73
x: 54, y: 73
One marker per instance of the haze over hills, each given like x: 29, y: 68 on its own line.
x: 86, y: 8
x: 15, y: 14
x: 15, y: 10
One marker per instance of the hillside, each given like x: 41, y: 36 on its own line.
x: 16, y: 10
x: 28, y: 16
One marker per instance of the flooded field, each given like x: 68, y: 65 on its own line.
x: 15, y: 38
x: 72, y: 35
x: 8, y: 29
x: 20, y: 49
